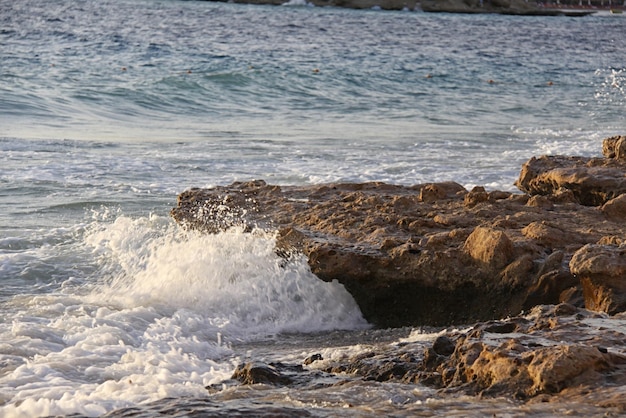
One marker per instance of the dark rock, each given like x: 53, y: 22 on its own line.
x: 501, y: 327
x: 313, y: 358
x: 443, y: 345
x: 254, y: 373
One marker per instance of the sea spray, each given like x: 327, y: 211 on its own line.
x: 233, y: 278
x: 158, y: 317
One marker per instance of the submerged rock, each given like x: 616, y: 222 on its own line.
x: 436, y: 254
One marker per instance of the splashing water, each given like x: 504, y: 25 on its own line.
x: 160, y: 319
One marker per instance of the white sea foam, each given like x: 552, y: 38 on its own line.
x: 234, y: 278
x: 419, y: 335
x: 159, y: 319
x: 298, y: 3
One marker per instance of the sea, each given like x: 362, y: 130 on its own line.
x: 111, y: 108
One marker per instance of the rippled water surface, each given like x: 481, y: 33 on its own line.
x: 110, y: 108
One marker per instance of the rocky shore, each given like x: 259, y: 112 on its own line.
x: 510, y: 7
x: 541, y: 274
x: 555, y: 354
x: 437, y: 254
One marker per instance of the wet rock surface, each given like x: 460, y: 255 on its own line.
x: 541, y: 275
x: 556, y: 354
x: 437, y: 254
x: 553, y: 350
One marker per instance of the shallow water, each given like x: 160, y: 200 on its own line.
x: 110, y: 108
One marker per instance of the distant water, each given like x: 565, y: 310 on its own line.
x: 110, y: 108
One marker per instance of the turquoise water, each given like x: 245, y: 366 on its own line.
x: 109, y: 109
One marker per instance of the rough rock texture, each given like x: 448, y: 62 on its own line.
x: 437, y: 254
x: 510, y: 7
x: 259, y: 373
x: 570, y: 357
x: 602, y: 271
x: 555, y: 350
x: 590, y: 181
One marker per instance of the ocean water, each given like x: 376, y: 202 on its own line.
x: 110, y: 108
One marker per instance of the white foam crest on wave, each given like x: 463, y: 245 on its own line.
x: 549, y: 141
x: 420, y: 335
x: 298, y: 3
x: 159, y: 321
x: 233, y: 279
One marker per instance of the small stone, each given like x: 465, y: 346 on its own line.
x: 313, y: 358
x: 255, y: 373
x: 443, y: 346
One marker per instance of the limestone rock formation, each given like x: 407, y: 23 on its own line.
x: 592, y: 181
x: 437, y: 254
x: 602, y: 272
x: 554, y: 350
x: 553, y: 354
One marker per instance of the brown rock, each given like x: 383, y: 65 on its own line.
x: 542, y: 202
x: 616, y: 208
x: 554, y: 368
x: 260, y: 373
x: 614, y: 147
x: 592, y: 181
x: 489, y: 247
x: 431, y: 193
x: 435, y: 254
x: 475, y: 196
x: 522, y: 357
x: 602, y: 272
x: 555, y: 353
x: 551, y: 236
x: 404, y: 260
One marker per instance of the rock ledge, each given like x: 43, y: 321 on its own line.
x: 437, y: 254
